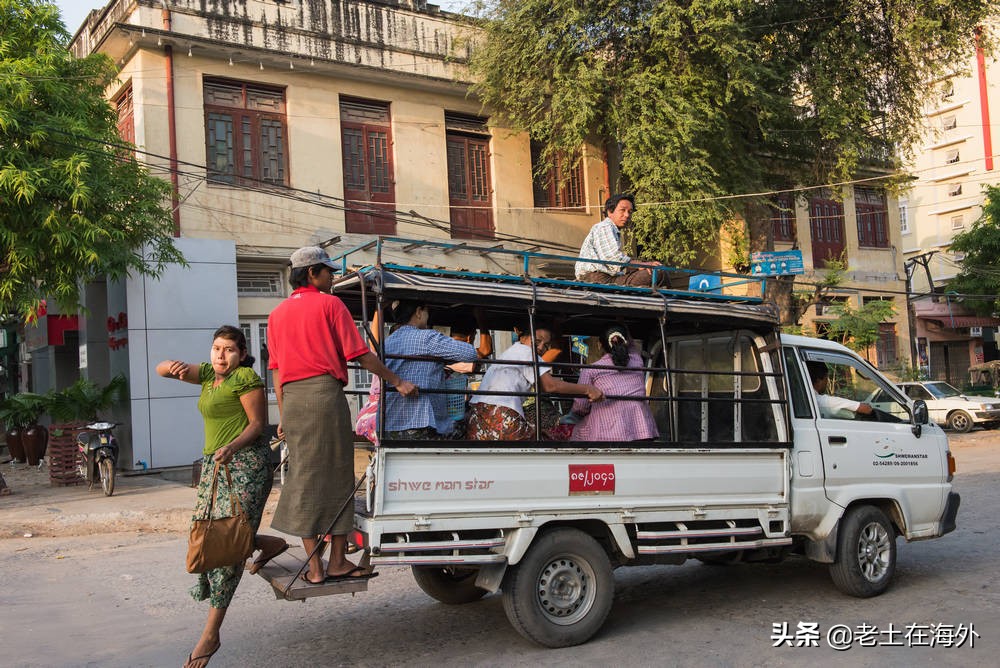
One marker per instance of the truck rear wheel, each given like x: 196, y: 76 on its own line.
x: 561, y: 592
x: 866, y: 553
x: 453, y: 586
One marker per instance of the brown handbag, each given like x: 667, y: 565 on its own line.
x: 224, y: 541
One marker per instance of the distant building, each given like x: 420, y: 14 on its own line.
x: 956, y: 158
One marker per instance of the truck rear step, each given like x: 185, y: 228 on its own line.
x: 283, y: 569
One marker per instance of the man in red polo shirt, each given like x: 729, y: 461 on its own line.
x: 311, y: 337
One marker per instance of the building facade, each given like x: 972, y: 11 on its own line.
x: 283, y: 124
x: 953, y: 162
x: 857, y: 226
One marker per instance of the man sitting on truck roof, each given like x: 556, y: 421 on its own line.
x: 830, y: 405
x: 604, y: 243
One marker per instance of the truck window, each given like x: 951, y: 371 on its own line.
x: 849, y: 383
x: 719, y: 393
x: 796, y: 386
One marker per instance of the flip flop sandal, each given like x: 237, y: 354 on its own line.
x: 347, y: 577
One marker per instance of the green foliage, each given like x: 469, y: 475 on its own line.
x: 858, y: 329
x: 84, y: 399
x: 75, y: 203
x: 22, y: 410
x: 704, y: 99
x: 980, y: 272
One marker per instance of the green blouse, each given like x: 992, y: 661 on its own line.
x: 221, y: 407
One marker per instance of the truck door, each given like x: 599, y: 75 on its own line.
x: 874, y: 455
x: 809, y: 503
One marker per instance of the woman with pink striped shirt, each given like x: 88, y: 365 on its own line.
x: 615, y: 419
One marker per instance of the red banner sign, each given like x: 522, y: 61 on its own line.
x: 591, y: 479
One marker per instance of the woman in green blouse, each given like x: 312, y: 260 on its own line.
x: 233, y: 406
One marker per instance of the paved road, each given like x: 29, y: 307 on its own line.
x: 119, y: 599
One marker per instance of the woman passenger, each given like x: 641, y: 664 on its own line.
x: 232, y: 405
x: 621, y: 420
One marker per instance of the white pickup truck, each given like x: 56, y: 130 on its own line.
x: 744, y: 467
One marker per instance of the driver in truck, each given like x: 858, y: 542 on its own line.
x: 830, y: 405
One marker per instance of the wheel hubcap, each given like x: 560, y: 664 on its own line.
x: 565, y: 590
x: 874, y: 547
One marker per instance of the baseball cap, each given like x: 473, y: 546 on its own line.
x: 307, y: 256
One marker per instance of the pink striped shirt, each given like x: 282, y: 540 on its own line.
x: 615, y: 419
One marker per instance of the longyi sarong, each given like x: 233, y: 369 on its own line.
x: 320, y: 438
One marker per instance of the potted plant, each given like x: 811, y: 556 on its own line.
x: 21, y: 412
x: 10, y: 418
x: 84, y: 399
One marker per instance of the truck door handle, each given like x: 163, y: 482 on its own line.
x: 837, y: 440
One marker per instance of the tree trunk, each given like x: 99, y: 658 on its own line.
x: 761, y: 239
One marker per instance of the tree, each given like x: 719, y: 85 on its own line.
x: 980, y: 272
x: 704, y: 102
x: 858, y: 329
x: 74, y: 202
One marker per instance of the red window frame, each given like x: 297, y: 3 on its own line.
x: 826, y: 229
x: 369, y: 170
x: 562, y: 185
x: 783, y: 217
x: 254, y: 145
x: 871, y: 212
x: 126, y: 115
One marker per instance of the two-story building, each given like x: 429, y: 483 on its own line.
x: 289, y: 123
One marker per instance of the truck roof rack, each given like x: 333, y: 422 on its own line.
x: 529, y: 267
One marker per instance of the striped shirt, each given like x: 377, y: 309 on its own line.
x: 604, y: 242
x: 423, y: 410
x: 620, y: 420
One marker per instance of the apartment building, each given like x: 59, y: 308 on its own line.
x: 952, y: 164
x: 283, y: 124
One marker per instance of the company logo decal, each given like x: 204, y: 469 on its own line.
x: 889, y: 455
x: 591, y: 479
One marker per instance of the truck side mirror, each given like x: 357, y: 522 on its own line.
x: 920, y: 416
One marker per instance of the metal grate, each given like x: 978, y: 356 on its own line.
x: 258, y: 283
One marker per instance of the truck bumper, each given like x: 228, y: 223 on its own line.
x: 950, y: 513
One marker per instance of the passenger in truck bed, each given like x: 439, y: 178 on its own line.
x: 424, y: 416
x: 501, y: 417
x: 456, y: 376
x: 622, y: 420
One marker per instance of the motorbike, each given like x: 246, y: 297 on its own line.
x: 98, y: 455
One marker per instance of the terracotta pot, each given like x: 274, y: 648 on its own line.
x: 34, y: 439
x: 14, y: 445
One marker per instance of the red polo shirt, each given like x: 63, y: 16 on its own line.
x: 310, y: 334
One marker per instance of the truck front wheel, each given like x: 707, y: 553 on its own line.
x: 866, y: 553
x: 453, y: 586
x: 561, y: 592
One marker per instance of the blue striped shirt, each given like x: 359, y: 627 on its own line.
x: 423, y: 410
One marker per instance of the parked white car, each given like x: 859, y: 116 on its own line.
x: 950, y: 408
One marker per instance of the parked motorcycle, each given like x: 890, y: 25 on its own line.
x: 99, y: 455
